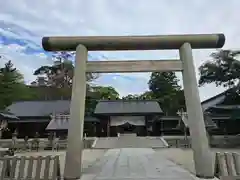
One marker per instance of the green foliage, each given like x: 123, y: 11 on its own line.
x: 164, y: 87
x: 223, y: 69
x: 105, y: 92
x: 131, y: 96
x: 148, y: 95
x: 57, y: 84
x: 60, y: 74
x: 99, y: 93
x: 48, y: 93
x: 12, y: 87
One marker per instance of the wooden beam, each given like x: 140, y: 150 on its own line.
x: 134, y: 66
x: 151, y: 42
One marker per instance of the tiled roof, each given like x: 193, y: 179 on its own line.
x: 128, y: 107
x: 46, y: 108
x: 62, y: 124
x: 38, y: 108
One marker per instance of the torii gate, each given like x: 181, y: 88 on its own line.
x: 185, y: 44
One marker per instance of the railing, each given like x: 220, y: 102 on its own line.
x: 42, y: 144
x: 30, y: 168
x: 179, y: 143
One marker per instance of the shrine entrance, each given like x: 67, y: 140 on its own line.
x: 128, y: 128
x: 128, y: 124
x: 184, y: 43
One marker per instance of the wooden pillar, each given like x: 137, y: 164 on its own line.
x: 108, y: 127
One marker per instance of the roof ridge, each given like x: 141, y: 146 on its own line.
x: 39, y: 101
x: 121, y: 100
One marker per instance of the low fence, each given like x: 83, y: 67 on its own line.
x: 42, y: 144
x: 214, y: 141
x: 227, y: 166
x: 179, y: 143
x: 62, y: 144
x: 30, y: 168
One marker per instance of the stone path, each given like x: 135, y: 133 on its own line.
x: 133, y: 164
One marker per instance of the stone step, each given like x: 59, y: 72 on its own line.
x: 130, y: 142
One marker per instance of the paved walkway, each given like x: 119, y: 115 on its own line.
x: 133, y: 164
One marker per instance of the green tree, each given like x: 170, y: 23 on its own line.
x: 164, y: 87
x: 12, y: 87
x: 55, y: 81
x: 223, y: 69
x: 60, y: 74
x: 105, y: 92
x: 148, y: 95
x: 131, y: 96
x: 99, y: 93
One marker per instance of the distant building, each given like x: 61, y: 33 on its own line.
x: 110, y: 117
x: 143, y: 117
x: 226, y: 117
x: 119, y: 116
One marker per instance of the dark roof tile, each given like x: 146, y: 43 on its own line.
x: 62, y: 124
x: 38, y: 108
x: 7, y: 115
x: 127, y: 107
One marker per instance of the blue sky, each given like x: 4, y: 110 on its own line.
x: 24, y: 22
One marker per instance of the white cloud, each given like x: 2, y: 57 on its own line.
x: 119, y: 17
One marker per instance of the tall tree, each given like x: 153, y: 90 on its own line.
x: 224, y: 70
x: 60, y: 74
x: 12, y: 87
x: 55, y: 81
x: 105, y: 92
x: 164, y: 87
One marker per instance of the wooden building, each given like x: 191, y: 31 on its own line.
x: 143, y: 117
x: 34, y: 116
x: 226, y: 117
x: 5, y: 117
x: 127, y: 116
x: 59, y: 124
x: 115, y: 116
